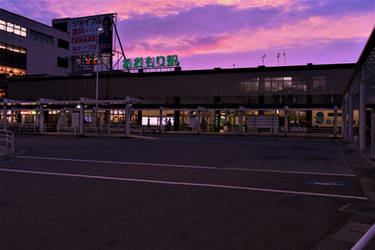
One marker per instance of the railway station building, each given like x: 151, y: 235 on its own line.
x: 335, y: 99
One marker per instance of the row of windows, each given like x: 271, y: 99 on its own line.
x: 41, y: 37
x: 12, y: 48
x: 13, y: 28
x: 279, y: 84
x: 11, y: 71
x: 12, y: 59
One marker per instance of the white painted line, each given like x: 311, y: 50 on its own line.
x: 182, y: 183
x: 184, y: 166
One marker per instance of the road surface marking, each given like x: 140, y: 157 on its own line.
x: 182, y: 183
x: 185, y: 166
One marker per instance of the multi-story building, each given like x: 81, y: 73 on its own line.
x: 28, y: 47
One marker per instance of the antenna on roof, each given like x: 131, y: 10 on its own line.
x: 278, y: 59
x: 264, y: 56
x: 284, y: 55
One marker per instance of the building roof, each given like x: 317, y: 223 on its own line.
x: 259, y: 69
x: 367, y: 55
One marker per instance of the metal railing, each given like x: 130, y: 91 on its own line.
x: 7, y: 139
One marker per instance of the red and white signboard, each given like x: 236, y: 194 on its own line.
x: 91, y: 35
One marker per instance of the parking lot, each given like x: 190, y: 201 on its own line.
x: 173, y: 192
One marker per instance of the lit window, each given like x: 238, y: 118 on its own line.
x: 13, y: 28
x: 10, y: 28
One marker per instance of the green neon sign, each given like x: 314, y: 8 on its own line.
x: 151, y: 62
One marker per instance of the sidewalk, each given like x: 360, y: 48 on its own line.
x: 345, y: 235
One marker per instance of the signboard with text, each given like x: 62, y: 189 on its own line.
x: 91, y: 35
x: 151, y: 62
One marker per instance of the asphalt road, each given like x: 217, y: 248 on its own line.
x: 173, y: 192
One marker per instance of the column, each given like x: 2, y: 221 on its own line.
x: 373, y: 134
x: 240, y: 121
x: 286, y: 120
x: 94, y: 118
x: 362, y: 114
x: 350, y: 111
x: 127, y: 120
x: 335, y: 121
x: 108, y: 114
x: 199, y: 122
x: 344, y: 125
x: 41, y: 119
x: 161, y: 119
x: 12, y: 117
x: 81, y: 119
x: 176, y: 120
x: 139, y: 122
x: 5, y: 111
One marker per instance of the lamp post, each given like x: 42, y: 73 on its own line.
x: 97, y: 77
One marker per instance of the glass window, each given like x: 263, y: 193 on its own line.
x: 319, y: 83
x: 13, y: 28
x: 251, y: 85
x: 38, y: 36
x: 267, y: 84
x: 10, y: 29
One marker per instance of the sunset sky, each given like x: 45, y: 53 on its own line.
x: 223, y: 33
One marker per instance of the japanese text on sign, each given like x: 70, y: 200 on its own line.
x: 151, y: 62
x: 87, y: 32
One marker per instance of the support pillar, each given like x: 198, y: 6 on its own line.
x: 161, y: 119
x: 176, y: 120
x: 81, y: 119
x: 286, y: 120
x: 344, y: 127
x: 199, y: 122
x: 108, y: 115
x: 139, y: 121
x: 94, y: 118
x: 335, y: 121
x: 5, y: 121
x: 240, y: 121
x: 373, y: 134
x: 362, y: 115
x: 12, y: 117
x: 127, y: 120
x: 350, y: 116
x: 41, y: 119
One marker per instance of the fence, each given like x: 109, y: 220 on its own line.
x: 7, y: 139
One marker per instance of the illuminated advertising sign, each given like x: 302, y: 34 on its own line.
x: 91, y: 35
x: 151, y: 62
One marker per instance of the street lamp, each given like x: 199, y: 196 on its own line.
x: 97, y: 67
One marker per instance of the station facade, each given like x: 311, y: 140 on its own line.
x: 335, y: 97
x: 219, y: 100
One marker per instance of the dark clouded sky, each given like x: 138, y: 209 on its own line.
x: 220, y: 33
